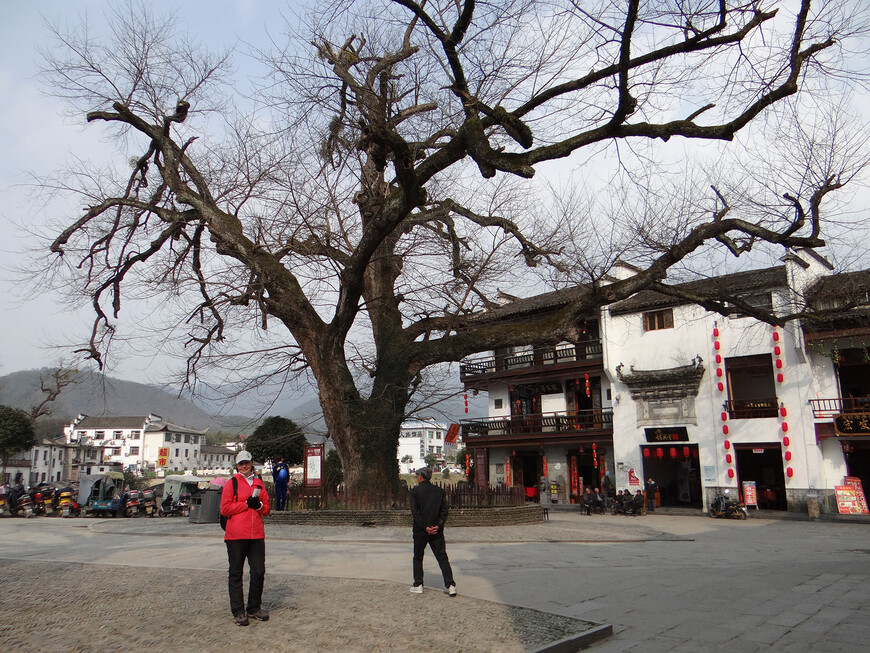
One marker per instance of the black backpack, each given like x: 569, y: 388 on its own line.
x: 225, y: 519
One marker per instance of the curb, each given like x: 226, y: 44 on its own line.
x: 578, y: 642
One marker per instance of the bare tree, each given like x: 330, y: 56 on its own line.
x: 377, y: 193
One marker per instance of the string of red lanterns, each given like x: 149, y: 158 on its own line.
x: 466, y: 402
x: 777, y: 352
x: 719, y: 372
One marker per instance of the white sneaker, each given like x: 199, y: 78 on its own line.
x: 452, y: 590
x: 416, y: 589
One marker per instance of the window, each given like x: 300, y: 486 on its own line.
x: 194, y: 439
x: 117, y: 435
x: 178, y: 437
x: 751, y: 387
x: 134, y: 435
x: 99, y: 435
x: 498, y: 404
x: 134, y: 451
x: 763, y: 301
x: 80, y: 434
x: 176, y: 453
x: 167, y: 437
x: 655, y: 320
x: 45, y: 455
x: 187, y: 438
x: 115, y: 451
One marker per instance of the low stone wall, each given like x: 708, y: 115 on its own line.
x: 458, y: 517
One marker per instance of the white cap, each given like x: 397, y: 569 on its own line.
x: 242, y: 456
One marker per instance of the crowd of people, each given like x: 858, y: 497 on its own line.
x: 622, y: 502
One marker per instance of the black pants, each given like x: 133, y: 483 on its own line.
x: 255, y: 552
x: 439, y: 549
x: 280, y: 496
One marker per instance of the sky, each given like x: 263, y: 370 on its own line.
x: 37, y: 138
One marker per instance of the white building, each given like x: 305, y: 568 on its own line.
x: 661, y: 387
x: 137, y: 443
x: 420, y: 437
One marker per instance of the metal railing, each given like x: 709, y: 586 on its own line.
x: 584, y: 420
x: 578, y: 352
x: 837, y: 405
x: 751, y: 408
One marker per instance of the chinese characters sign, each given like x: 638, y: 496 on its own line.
x: 852, y: 424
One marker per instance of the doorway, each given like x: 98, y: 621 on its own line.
x: 858, y: 462
x: 762, y: 463
x: 676, y: 472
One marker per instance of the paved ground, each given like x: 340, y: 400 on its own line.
x: 665, y: 583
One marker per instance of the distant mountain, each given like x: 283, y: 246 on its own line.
x: 97, y: 395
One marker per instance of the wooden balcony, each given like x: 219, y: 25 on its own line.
x: 546, y: 426
x: 564, y: 356
x: 823, y: 408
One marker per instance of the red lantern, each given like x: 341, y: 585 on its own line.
x: 789, y: 472
x: 646, y: 453
x: 782, y: 411
x: 730, y: 473
x: 785, y: 440
x: 777, y: 350
x: 785, y: 427
x: 673, y: 452
x: 721, y: 386
x: 715, y: 332
x: 724, y: 416
x: 780, y: 378
x: 725, y: 429
x: 778, y: 364
x: 776, y: 336
x: 788, y: 455
x: 718, y: 358
x: 727, y: 445
x: 719, y: 371
x: 716, y: 345
x: 728, y: 458
x: 660, y: 453
x: 686, y: 452
x: 466, y: 402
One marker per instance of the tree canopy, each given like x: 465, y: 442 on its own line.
x: 351, y: 213
x: 16, y: 432
x: 276, y: 438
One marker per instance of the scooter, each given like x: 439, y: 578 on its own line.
x: 149, y: 505
x: 725, y: 506
x: 20, y: 503
x: 132, y: 503
x: 170, y: 508
x: 64, y: 501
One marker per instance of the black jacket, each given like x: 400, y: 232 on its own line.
x: 428, y: 506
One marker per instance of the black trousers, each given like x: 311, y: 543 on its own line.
x: 439, y: 549
x: 255, y: 552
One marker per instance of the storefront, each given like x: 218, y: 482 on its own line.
x: 762, y: 463
x: 675, y: 469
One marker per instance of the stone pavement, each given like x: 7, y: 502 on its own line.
x: 664, y: 583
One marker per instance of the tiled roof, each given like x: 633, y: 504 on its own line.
x: 739, y: 283
x: 206, y: 448
x: 108, y: 422
x: 840, y: 284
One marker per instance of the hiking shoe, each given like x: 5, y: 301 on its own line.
x: 416, y: 589
x: 452, y: 590
x: 260, y: 614
x: 241, y: 619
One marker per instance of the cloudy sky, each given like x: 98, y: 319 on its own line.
x: 37, y: 139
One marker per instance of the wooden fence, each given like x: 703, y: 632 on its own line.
x: 461, y: 495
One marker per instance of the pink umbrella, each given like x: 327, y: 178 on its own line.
x: 219, y: 481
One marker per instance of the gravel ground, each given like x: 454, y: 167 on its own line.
x: 70, y: 607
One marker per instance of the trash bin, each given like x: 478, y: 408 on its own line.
x: 813, y: 506
x: 205, y: 507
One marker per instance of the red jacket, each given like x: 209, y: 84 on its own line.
x: 244, y: 523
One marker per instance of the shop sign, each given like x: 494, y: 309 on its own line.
x: 314, y: 466
x: 852, y: 424
x: 847, y: 500
x: 163, y: 456
x: 750, y: 497
x: 855, y: 482
x: 667, y: 434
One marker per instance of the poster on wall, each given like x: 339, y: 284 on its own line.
x: 314, y: 466
x: 480, y: 467
x: 855, y: 482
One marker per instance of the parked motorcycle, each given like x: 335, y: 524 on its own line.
x: 3, y: 501
x: 171, y: 508
x: 149, y: 504
x: 725, y: 506
x: 43, y: 499
x: 131, y: 503
x: 20, y: 503
x: 64, y: 503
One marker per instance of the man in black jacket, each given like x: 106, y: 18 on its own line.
x: 429, y: 511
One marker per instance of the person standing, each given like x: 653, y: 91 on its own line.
x: 281, y: 476
x: 245, y: 502
x: 650, y: 494
x: 429, y: 512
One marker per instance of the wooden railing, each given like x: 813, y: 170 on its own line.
x: 581, y: 351
x: 584, y: 420
x: 838, y: 405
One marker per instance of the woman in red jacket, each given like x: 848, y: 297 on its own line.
x: 245, y: 502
